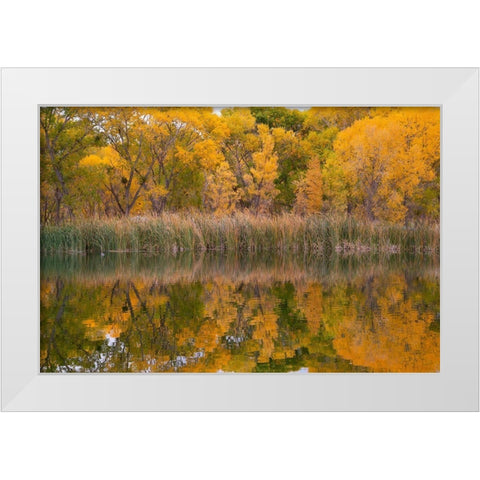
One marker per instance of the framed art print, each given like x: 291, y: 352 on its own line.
x: 240, y: 239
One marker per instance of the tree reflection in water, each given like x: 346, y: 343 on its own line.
x: 214, y: 313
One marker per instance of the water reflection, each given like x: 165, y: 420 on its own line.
x: 213, y: 313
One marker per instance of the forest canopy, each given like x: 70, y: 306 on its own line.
x: 371, y: 163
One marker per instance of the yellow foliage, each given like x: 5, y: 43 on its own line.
x: 239, y: 121
x: 385, y: 158
x: 208, y: 153
x: 220, y: 192
x: 262, y: 174
x: 378, y: 163
x: 310, y: 189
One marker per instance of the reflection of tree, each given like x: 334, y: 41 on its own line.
x: 396, y: 337
x: 379, y: 322
x: 51, y: 336
x: 68, y: 345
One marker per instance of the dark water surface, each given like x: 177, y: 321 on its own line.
x: 217, y: 313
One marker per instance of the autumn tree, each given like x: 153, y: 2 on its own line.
x: 249, y: 150
x: 385, y: 160
x: 93, y: 186
x: 377, y: 163
x: 321, y: 118
x: 184, y: 143
x: 309, y: 189
x: 221, y: 194
x: 421, y: 128
x: 314, y: 193
x: 64, y: 135
x: 124, y: 130
x: 238, y: 147
x: 260, y: 180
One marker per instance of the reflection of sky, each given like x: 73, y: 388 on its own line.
x: 302, y: 370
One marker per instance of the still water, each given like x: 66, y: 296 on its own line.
x: 217, y: 313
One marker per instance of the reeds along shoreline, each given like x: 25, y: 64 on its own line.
x: 261, y: 268
x: 288, y: 233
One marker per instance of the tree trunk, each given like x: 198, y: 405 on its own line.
x: 58, y: 202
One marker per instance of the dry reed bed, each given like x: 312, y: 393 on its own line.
x: 176, y: 232
x: 212, y: 268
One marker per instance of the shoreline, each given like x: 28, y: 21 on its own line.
x: 242, y: 233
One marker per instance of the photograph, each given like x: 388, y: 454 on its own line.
x: 236, y: 228
x: 239, y: 239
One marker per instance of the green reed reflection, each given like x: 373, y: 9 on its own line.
x: 211, y: 313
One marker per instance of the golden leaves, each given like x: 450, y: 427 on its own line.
x: 377, y: 163
x: 379, y: 320
x: 263, y: 172
x: 386, y: 158
x: 220, y: 193
x: 309, y: 189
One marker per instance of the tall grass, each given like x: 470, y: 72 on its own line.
x: 287, y: 233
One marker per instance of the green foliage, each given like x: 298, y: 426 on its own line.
x: 279, y: 117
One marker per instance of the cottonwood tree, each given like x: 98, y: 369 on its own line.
x: 320, y: 118
x: 221, y: 194
x: 124, y: 130
x: 309, y: 191
x: 386, y: 160
x: 373, y: 163
x: 260, y: 180
x: 185, y: 146
x: 65, y: 134
x: 238, y: 147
